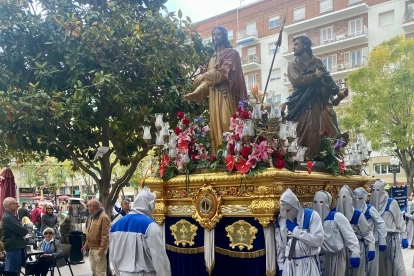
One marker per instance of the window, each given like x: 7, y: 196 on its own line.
x: 409, y: 12
x: 382, y: 168
x: 353, y: 1
x: 327, y: 35
x: 251, y: 81
x: 23, y: 174
x: 272, y: 47
x: 325, y: 5
x: 277, y: 98
x: 356, y: 58
x: 298, y: 13
x: 276, y: 74
x: 251, y: 29
x: 330, y: 63
x: 274, y: 21
x: 251, y: 54
x: 230, y: 35
x: 355, y: 27
x: 386, y: 18
x: 207, y: 40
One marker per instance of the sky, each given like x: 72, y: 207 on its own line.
x: 199, y: 10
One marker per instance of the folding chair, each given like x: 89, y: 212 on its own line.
x: 65, y: 255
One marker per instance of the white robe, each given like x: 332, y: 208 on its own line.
x: 410, y: 223
x: 306, y: 261
x: 380, y: 234
x: 338, y: 237
x: 366, y: 243
x: 391, y: 262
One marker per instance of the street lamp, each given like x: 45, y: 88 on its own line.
x: 394, y: 168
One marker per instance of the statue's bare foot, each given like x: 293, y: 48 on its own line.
x: 189, y: 96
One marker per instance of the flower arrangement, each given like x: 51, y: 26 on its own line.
x: 188, y: 147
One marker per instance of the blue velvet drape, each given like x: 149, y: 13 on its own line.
x: 232, y: 266
x: 185, y: 264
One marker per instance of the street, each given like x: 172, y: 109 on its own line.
x: 84, y: 269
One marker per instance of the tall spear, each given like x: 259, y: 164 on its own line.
x: 278, y: 44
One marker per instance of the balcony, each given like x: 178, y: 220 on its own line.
x: 247, y: 37
x: 327, y: 18
x: 250, y: 63
x: 337, y: 42
x: 408, y: 22
x: 338, y: 71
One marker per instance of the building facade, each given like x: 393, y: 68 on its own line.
x: 343, y: 32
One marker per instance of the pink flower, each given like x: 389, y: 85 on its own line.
x: 190, y: 130
x: 260, y: 151
x: 203, y: 155
x: 205, y: 129
x: 183, y: 136
x: 199, y: 147
x: 252, y: 162
x: 229, y: 136
x: 236, y: 125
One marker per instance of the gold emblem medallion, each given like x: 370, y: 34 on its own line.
x: 183, y: 232
x: 241, y: 234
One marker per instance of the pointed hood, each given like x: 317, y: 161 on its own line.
x: 322, y: 202
x: 144, y: 203
x: 360, y: 197
x: 344, y: 203
x: 379, y: 197
x: 290, y: 206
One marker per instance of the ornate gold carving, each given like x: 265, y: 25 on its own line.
x: 160, y: 208
x: 265, y: 221
x: 193, y: 250
x: 242, y: 255
x: 241, y: 234
x: 180, y: 193
x: 181, y: 210
x: 207, y: 203
x: 271, y: 273
x: 265, y: 204
x: 236, y: 209
x: 183, y: 232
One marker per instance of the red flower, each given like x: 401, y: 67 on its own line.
x: 185, y: 121
x: 276, y: 155
x: 213, y: 158
x: 234, y: 116
x: 194, y: 157
x: 325, y: 133
x: 237, y: 137
x: 177, y: 131
x: 260, y: 139
x: 242, y: 167
x: 245, y: 152
x: 231, y: 149
x: 180, y: 115
x: 280, y: 164
x: 244, y: 115
x: 310, y: 165
x: 239, y: 109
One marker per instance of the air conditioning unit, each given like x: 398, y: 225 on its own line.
x: 341, y: 67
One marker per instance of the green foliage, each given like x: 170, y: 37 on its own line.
x: 85, y: 74
x: 382, y: 105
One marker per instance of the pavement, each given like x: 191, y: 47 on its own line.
x: 85, y: 270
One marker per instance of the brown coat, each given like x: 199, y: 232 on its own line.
x: 97, y: 231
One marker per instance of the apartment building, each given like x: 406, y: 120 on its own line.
x: 342, y: 32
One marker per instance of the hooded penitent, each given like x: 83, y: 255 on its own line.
x: 322, y: 202
x: 345, y: 201
x: 360, y: 196
x: 379, y: 196
x: 289, y: 205
x: 144, y: 203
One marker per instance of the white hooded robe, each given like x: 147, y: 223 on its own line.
x: 391, y: 262
x: 137, y: 247
x: 309, y: 241
x: 338, y: 236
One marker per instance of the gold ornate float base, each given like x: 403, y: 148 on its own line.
x: 214, y: 195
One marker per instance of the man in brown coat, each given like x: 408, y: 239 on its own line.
x: 97, y: 237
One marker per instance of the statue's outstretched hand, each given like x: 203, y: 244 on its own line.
x: 189, y: 96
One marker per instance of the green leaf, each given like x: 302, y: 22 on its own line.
x: 180, y: 14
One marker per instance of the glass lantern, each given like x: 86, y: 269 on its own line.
x: 76, y: 213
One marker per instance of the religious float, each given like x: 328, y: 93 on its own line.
x: 217, y: 204
x: 217, y: 210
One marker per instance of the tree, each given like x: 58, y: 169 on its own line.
x: 89, y: 73
x: 382, y: 104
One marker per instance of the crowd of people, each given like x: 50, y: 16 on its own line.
x: 351, y: 238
